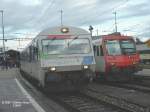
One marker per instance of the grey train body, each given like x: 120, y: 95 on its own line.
x: 59, y: 55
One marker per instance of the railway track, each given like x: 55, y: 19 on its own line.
x: 103, y: 93
x: 130, y: 86
x: 82, y: 103
x: 137, y: 82
x: 69, y: 102
x: 87, y: 101
x: 141, y: 80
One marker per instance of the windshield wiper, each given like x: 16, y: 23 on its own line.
x: 53, y: 38
x: 72, y: 41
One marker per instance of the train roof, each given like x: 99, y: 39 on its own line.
x: 112, y: 36
x: 58, y: 31
x: 98, y: 39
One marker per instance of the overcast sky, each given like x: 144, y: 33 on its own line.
x: 25, y: 18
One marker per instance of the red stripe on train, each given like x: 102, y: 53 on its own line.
x: 58, y: 36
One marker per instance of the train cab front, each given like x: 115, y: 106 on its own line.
x: 68, y: 61
x: 122, y: 57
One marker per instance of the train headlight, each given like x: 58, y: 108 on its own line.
x: 134, y: 63
x: 85, y: 67
x: 112, y: 64
x: 52, y: 69
x: 64, y: 30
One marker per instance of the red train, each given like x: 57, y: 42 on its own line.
x: 115, y: 56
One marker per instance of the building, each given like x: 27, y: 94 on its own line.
x: 11, y: 59
x: 148, y: 43
x: 144, y: 51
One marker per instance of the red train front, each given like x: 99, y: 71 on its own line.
x: 116, y: 55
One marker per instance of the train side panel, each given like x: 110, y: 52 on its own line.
x: 100, y: 66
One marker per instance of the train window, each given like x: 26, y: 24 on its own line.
x: 113, y: 47
x: 30, y: 54
x: 94, y: 48
x: 35, y: 53
x: 98, y: 53
x: 128, y: 46
x: 101, y: 51
x: 26, y: 55
x: 66, y: 46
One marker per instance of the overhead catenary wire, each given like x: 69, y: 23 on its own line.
x: 37, y: 21
x: 44, y: 12
x: 109, y: 10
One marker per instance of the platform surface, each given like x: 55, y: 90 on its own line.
x: 12, y: 97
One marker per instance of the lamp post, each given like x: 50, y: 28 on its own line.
x: 91, y: 29
x: 3, y: 34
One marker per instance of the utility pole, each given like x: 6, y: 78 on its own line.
x: 3, y: 31
x: 97, y: 32
x: 4, y: 56
x: 115, y: 21
x: 61, y: 14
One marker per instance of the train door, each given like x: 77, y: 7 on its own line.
x: 34, y: 60
x: 99, y: 57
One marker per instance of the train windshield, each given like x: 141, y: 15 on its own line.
x: 127, y: 46
x: 66, y: 46
x: 113, y: 47
x: 118, y: 47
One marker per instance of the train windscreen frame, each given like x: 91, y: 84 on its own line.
x: 66, y: 46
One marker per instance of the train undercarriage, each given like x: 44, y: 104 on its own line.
x: 62, y: 81
x: 68, y: 81
x: 118, y: 74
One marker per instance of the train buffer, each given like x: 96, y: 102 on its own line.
x: 13, y: 97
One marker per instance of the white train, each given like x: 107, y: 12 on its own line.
x: 60, y: 56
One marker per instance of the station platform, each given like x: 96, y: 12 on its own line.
x: 13, y: 97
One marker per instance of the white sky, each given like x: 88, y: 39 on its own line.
x: 25, y: 18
